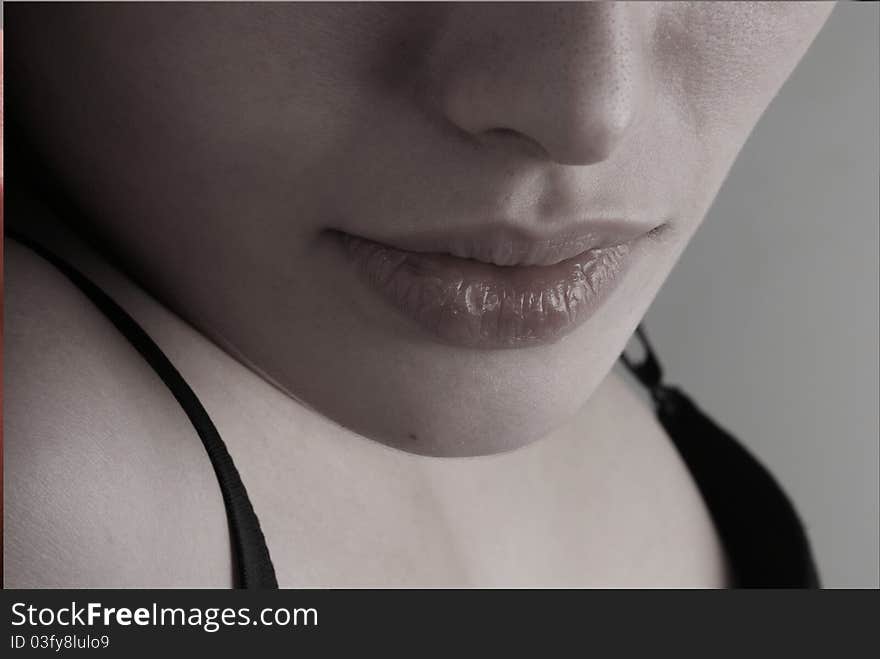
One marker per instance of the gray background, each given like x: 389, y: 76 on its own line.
x: 770, y: 319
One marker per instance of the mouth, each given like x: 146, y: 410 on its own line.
x: 497, y: 288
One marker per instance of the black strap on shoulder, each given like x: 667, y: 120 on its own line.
x: 255, y: 569
x: 765, y: 540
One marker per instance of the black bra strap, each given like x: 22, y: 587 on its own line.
x: 648, y: 372
x: 255, y: 569
x: 764, y: 537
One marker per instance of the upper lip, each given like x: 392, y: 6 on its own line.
x: 505, y: 244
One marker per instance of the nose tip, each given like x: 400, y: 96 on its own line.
x: 569, y: 83
x: 585, y: 133
x: 573, y: 131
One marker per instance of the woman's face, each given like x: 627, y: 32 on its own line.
x: 562, y: 154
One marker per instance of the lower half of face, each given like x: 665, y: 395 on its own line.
x: 450, y: 278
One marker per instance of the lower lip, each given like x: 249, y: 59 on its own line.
x: 472, y: 304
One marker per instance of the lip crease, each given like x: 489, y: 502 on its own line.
x: 511, y: 245
x: 497, y: 287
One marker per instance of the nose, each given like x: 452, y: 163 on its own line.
x: 567, y: 82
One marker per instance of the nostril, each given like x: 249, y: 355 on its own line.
x: 510, y: 138
x: 502, y: 132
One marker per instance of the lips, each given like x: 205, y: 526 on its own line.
x: 495, y: 288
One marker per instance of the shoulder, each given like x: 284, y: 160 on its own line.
x: 105, y: 481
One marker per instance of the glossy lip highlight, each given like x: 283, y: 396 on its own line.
x: 471, y: 303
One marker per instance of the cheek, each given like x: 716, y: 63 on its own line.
x: 725, y: 61
x: 197, y: 128
x: 719, y: 65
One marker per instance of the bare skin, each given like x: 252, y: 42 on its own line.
x: 113, y: 469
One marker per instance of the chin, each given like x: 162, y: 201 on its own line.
x: 499, y: 427
x: 447, y: 403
